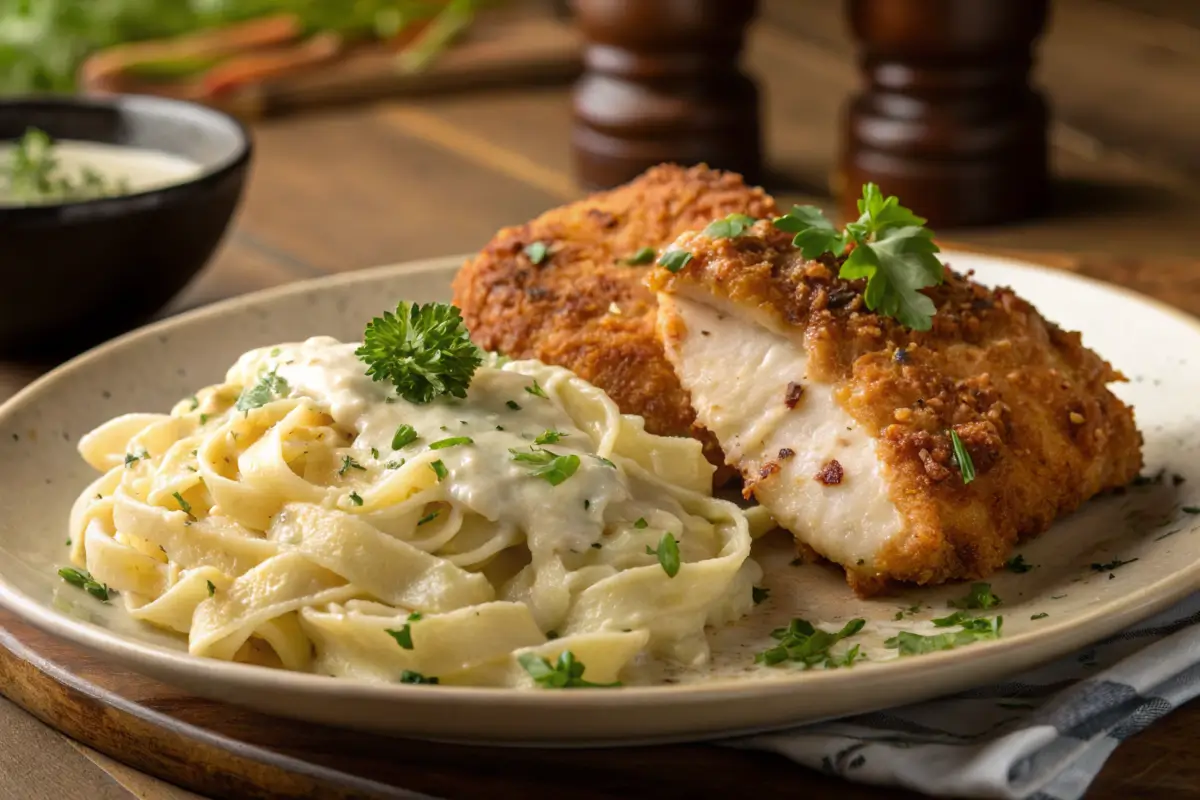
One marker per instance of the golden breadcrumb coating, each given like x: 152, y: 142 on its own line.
x: 583, y: 308
x: 1028, y: 400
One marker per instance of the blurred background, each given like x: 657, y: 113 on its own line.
x: 389, y: 130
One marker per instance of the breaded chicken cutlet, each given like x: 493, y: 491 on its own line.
x: 840, y: 419
x: 582, y: 303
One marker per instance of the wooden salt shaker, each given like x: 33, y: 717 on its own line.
x: 662, y: 83
x: 948, y: 120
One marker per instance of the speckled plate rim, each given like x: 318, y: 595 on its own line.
x: 930, y: 675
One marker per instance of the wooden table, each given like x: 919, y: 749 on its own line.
x: 351, y: 188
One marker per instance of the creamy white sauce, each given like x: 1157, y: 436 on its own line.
x: 738, y: 374
x: 482, y: 475
x: 138, y: 169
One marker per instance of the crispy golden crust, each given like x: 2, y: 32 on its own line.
x: 581, y: 308
x: 1028, y: 400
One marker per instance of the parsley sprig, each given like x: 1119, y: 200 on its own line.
x: 892, y: 250
x: 423, y: 350
x: 565, y: 673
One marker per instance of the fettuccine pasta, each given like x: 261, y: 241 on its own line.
x: 301, y: 515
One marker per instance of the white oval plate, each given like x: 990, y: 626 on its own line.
x: 149, y: 369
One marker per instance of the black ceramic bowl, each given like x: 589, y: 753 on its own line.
x: 74, y: 274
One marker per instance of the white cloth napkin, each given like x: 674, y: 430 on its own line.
x: 1044, y: 735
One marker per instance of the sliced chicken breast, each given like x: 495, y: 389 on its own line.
x: 839, y: 419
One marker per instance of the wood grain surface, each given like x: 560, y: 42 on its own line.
x: 357, y: 186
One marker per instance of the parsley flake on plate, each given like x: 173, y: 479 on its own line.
x: 84, y: 580
x: 803, y: 643
x: 974, y: 630
x: 423, y: 350
x: 439, y: 469
x: 980, y: 596
x: 1018, y: 564
x: 536, y: 390
x: 1111, y: 565
x: 892, y: 250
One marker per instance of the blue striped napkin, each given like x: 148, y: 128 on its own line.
x: 1044, y: 735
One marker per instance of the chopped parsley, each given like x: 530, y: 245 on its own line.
x: 803, y: 643
x: 535, y: 390
x: 605, y: 461
x: 1018, y: 564
x: 730, y: 227
x: 566, y: 673
x: 641, y: 523
x: 439, y: 469
x: 549, y: 437
x: 131, y: 459
x: 547, y: 465
x: 356, y: 499
x: 453, y: 441
x: 184, y: 505
x: 408, y: 676
x: 973, y: 630
x: 394, y: 464
x: 269, y: 387
x: 211, y: 588
x: 404, y: 436
x: 965, y: 466
x: 1111, y: 565
x: 643, y: 256
x: 1191, y: 509
x: 512, y: 404
x: 668, y: 554
x: 84, y: 580
x: 423, y: 350
x: 403, y: 636
x: 349, y: 463
x: 1042, y: 615
x: 195, y: 403
x: 980, y: 596
x: 430, y: 517
x: 536, y: 251
x: 759, y: 594
x: 675, y: 260
x: 374, y: 452
x: 892, y: 250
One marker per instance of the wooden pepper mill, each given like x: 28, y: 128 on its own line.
x: 948, y: 120
x: 662, y: 83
